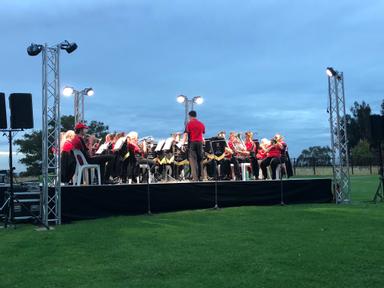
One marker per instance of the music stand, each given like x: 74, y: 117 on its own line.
x: 217, y: 146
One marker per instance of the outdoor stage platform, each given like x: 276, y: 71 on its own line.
x: 89, y: 202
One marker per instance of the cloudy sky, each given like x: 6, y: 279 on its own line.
x: 260, y: 65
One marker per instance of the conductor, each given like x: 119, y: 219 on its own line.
x: 194, y: 130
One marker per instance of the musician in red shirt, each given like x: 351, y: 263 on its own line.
x: 68, y: 162
x: 105, y: 161
x: 252, y: 149
x: 273, y: 158
x: 194, y: 130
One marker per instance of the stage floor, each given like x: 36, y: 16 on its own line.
x: 88, y: 202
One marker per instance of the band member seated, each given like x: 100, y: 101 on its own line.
x: 68, y: 162
x: 103, y: 160
x: 273, y: 158
x: 285, y: 161
x: 231, y: 158
x: 131, y: 165
x: 252, y: 149
x: 194, y: 131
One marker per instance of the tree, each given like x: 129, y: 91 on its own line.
x: 382, y: 108
x: 97, y: 128
x: 315, y: 154
x: 67, y: 122
x: 30, y: 144
x: 361, y: 153
x: 362, y: 112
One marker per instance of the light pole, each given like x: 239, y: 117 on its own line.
x: 50, y: 203
x: 339, y: 138
x: 78, y: 101
x: 188, y: 104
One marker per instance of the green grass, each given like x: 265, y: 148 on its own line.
x: 292, y: 246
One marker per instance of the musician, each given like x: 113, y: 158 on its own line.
x: 131, y: 165
x: 194, y: 130
x: 68, y: 161
x: 252, y: 149
x: 285, y: 161
x: 103, y: 160
x: 273, y: 158
x: 231, y: 158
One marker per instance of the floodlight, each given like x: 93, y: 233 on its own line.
x: 198, y: 100
x: 68, y: 91
x: 89, y: 91
x: 331, y: 72
x: 34, y: 49
x: 181, y: 99
x: 69, y: 47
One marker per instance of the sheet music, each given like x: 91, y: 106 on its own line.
x: 168, y: 144
x: 119, y: 143
x: 159, y: 145
x: 102, y: 148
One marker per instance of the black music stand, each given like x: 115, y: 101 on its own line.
x: 217, y: 146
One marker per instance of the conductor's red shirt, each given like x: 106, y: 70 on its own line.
x: 195, y: 130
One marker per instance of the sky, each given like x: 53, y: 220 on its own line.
x: 259, y: 65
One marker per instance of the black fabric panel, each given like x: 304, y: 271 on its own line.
x: 101, y: 201
x: 183, y: 196
x: 88, y: 202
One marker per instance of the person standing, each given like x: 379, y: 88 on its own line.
x: 194, y: 130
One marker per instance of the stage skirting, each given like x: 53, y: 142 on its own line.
x: 88, y: 202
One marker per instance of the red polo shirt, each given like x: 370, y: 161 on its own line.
x: 68, y: 146
x: 275, y: 151
x: 77, y: 143
x: 195, y: 130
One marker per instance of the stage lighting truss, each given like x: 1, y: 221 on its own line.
x: 50, y: 202
x: 339, y: 140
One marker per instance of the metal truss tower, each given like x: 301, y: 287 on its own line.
x: 50, y: 199
x: 51, y: 162
x: 339, y: 140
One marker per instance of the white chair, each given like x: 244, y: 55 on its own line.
x: 82, y: 167
x: 244, y: 170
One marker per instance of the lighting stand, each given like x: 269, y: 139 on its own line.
x: 8, y: 207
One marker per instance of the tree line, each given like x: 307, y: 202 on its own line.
x: 362, y: 150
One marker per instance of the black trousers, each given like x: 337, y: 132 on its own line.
x: 225, y: 168
x: 105, y: 162
x: 255, y: 167
x: 195, y: 155
x: 68, y: 166
x: 270, y: 161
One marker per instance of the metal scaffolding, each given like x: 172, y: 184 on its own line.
x: 51, y: 162
x: 339, y: 140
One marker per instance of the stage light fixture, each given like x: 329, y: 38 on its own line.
x: 69, y: 47
x: 331, y: 72
x: 68, y: 91
x: 89, y: 91
x: 181, y: 99
x: 34, y: 49
x: 198, y: 100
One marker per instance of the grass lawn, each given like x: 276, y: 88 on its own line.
x: 293, y: 246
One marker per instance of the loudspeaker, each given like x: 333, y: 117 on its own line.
x: 3, y: 112
x: 377, y: 128
x: 21, y: 110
